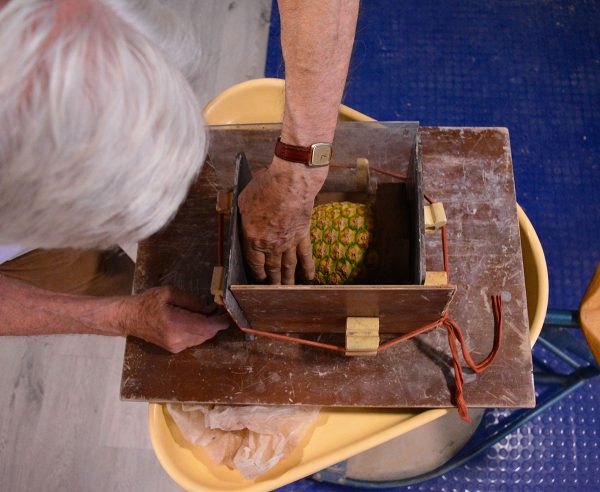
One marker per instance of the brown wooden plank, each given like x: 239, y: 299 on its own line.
x: 470, y: 171
x: 324, y: 308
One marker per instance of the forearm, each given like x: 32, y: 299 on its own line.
x: 26, y: 310
x: 276, y: 207
x: 317, y: 38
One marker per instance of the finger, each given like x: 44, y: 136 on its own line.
x: 210, y: 306
x: 306, y: 259
x: 189, y: 329
x: 288, y: 267
x: 256, y: 262
x: 197, y: 324
x: 273, y: 268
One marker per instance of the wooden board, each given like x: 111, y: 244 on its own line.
x: 324, y: 308
x: 470, y: 171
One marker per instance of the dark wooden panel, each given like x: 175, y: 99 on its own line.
x: 417, y: 219
x: 470, y: 171
x: 394, y: 235
x: 323, y: 309
x: 235, y: 273
x: 388, y: 146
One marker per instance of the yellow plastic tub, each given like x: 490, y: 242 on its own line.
x: 536, y: 275
x: 339, y: 433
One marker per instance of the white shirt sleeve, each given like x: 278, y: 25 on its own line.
x: 11, y: 251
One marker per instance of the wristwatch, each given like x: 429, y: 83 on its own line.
x: 317, y: 155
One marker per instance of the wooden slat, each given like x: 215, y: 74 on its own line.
x: 324, y: 308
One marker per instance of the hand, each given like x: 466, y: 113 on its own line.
x: 276, y: 207
x: 171, y: 318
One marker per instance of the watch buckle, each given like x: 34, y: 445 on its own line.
x: 320, y: 154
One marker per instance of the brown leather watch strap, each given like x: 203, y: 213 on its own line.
x: 317, y: 155
x: 292, y: 153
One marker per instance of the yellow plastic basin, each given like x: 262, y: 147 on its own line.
x: 339, y: 433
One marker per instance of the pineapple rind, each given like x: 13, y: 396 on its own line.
x: 342, y: 235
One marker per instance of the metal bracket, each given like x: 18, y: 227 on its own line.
x: 362, y: 336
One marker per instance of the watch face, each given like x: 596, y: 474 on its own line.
x: 321, y: 154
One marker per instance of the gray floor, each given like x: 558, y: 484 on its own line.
x: 62, y: 426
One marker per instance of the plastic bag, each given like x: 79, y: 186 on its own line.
x: 251, y: 439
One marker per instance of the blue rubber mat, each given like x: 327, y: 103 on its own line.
x: 533, y: 67
x: 557, y: 451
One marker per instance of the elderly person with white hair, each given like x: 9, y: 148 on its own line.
x: 100, y: 139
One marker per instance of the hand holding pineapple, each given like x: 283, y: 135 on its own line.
x: 276, y: 207
x: 277, y: 204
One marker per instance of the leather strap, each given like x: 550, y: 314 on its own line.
x: 292, y: 153
x: 317, y: 155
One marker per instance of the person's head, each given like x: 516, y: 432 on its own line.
x: 100, y: 135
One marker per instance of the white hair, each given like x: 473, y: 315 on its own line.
x: 100, y: 135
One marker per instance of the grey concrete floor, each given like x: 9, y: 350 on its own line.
x: 62, y: 425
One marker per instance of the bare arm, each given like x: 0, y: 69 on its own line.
x: 317, y: 38
x: 164, y: 316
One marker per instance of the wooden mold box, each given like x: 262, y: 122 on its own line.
x: 394, y: 291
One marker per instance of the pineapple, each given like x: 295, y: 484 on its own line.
x: 342, y: 236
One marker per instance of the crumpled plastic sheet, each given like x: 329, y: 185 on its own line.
x: 250, y: 439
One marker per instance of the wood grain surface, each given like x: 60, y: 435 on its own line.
x: 324, y: 308
x: 470, y: 171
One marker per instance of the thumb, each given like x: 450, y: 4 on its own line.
x: 217, y: 322
x: 198, y: 324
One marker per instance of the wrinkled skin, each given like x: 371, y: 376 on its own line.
x: 276, y: 207
x: 171, y: 319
